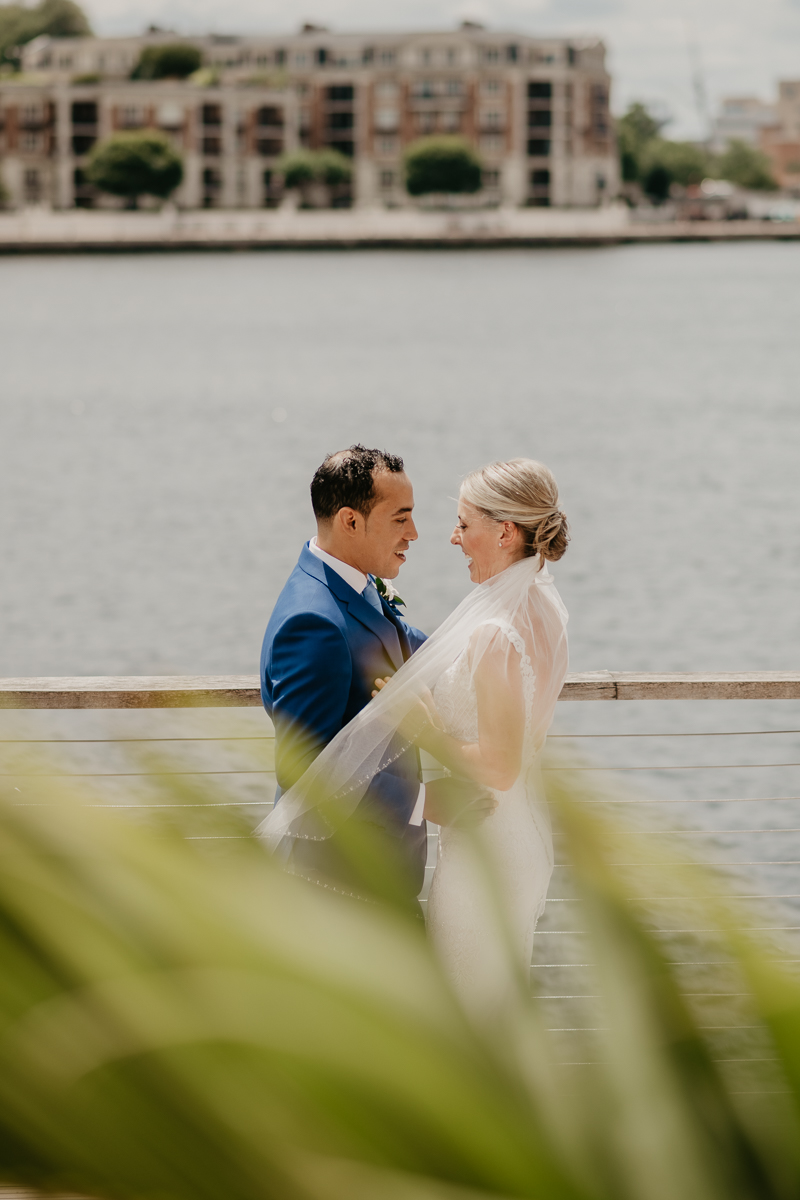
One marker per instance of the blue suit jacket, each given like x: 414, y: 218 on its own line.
x: 323, y: 649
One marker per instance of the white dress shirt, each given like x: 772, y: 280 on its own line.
x: 358, y: 581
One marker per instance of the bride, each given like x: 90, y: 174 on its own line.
x: 479, y: 696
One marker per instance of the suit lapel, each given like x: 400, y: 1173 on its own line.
x: 357, y: 606
x: 405, y: 645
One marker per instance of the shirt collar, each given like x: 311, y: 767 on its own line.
x: 351, y: 575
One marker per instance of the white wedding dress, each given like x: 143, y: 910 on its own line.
x: 487, y: 895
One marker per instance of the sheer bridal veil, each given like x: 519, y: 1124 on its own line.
x: 516, y: 617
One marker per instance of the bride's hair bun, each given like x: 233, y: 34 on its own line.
x: 525, y: 492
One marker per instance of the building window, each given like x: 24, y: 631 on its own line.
x: 454, y: 87
x: 273, y: 190
x: 30, y: 143
x: 301, y: 60
x: 269, y: 147
x: 340, y: 120
x: 426, y: 122
x: 212, y: 187
x: 212, y: 146
x: 387, y: 58
x: 540, y: 118
x: 512, y: 53
x: 321, y: 56
x: 131, y: 117
x: 491, y: 54
x: 82, y: 144
x: 84, y: 193
x: 386, y: 89
x: 170, y: 116
x: 387, y: 179
x: 33, y: 187
x: 84, y: 113
x: 211, y: 115
x: 387, y: 118
x: 341, y: 92
x: 270, y: 115
x: 387, y: 145
x: 31, y: 114
x: 599, y: 105
x: 491, y: 86
x: 492, y: 119
x: 539, y: 89
x: 491, y: 179
x: 540, y: 187
x: 491, y: 143
x: 539, y: 147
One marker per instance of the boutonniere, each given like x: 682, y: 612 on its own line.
x: 387, y: 593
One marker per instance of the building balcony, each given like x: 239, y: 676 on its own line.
x: 269, y: 147
x: 539, y: 147
x: 82, y: 144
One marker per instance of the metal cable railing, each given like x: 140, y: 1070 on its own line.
x: 237, y: 759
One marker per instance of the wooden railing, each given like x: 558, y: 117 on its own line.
x: 242, y: 691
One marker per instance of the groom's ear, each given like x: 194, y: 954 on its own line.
x: 350, y: 520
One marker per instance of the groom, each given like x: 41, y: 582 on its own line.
x: 330, y: 636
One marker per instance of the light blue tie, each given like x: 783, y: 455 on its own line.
x: 370, y: 594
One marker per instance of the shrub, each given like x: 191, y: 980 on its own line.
x: 139, y: 163
x: 174, y: 61
x: 186, y: 1025
x: 302, y: 168
x: 442, y: 164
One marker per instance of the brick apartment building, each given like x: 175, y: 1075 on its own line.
x: 536, y: 109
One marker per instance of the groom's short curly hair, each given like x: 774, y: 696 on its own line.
x: 346, y: 479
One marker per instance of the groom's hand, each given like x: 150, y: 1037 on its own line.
x: 458, y: 802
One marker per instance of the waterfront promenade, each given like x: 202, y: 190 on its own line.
x: 39, y: 230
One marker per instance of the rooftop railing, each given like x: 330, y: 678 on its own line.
x: 723, y: 795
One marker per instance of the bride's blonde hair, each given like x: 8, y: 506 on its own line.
x: 523, y: 491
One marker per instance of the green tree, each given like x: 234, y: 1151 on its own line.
x: 635, y: 130
x: 744, y: 164
x: 663, y: 163
x: 140, y: 163
x: 313, y: 173
x: 173, y: 61
x: 299, y: 169
x: 20, y: 25
x: 442, y: 165
x: 334, y: 168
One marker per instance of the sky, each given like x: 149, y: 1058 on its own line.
x: 743, y: 46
